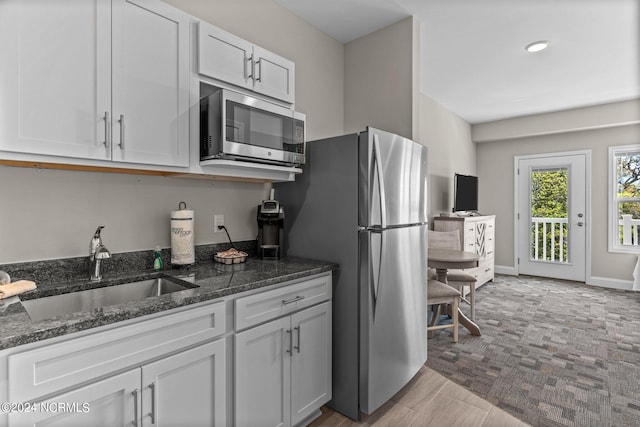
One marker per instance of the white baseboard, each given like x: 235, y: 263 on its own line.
x: 503, y: 269
x: 603, y: 282
x: 606, y: 282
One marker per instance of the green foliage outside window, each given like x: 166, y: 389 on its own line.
x: 628, y: 187
x: 549, y: 195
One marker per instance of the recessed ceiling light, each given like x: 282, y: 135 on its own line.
x: 537, y: 46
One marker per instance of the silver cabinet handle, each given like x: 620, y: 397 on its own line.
x: 259, y: 70
x: 121, y: 121
x: 292, y: 300
x: 107, y: 125
x: 152, y: 386
x: 290, y: 341
x: 135, y: 407
x: 297, y: 328
x: 249, y: 66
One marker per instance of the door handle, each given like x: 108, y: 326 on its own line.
x: 152, y: 386
x: 376, y: 276
x: 378, y: 159
x: 289, y: 350
x: 292, y: 300
x: 250, y: 66
x: 297, y: 328
x: 135, y: 407
x: 107, y: 125
x: 580, y: 224
x: 258, y: 71
x: 121, y: 121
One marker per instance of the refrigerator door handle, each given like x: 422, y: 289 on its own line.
x: 376, y: 263
x: 378, y: 163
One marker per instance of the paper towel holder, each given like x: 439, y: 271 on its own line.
x: 182, y: 236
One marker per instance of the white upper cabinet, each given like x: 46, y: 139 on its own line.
x: 150, y: 83
x: 273, y: 75
x: 230, y: 59
x: 55, y: 83
x: 72, y: 70
x: 223, y: 56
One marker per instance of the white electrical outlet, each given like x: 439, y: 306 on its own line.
x: 218, y: 221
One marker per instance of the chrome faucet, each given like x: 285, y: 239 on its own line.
x: 97, y: 252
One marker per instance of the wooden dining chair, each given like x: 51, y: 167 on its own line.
x: 439, y: 294
x: 458, y: 279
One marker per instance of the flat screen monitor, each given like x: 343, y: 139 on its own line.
x: 465, y: 193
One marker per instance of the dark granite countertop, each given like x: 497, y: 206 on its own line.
x: 213, y: 280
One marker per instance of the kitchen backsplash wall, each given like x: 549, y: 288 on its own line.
x: 49, y: 214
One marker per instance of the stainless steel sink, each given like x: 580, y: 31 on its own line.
x: 74, y: 302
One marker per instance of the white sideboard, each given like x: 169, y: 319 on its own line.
x: 477, y: 234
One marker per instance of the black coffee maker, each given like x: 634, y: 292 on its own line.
x: 270, y: 228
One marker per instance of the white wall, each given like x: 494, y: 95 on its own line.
x: 382, y: 90
x: 379, y: 80
x: 49, y: 214
x: 450, y: 150
x: 595, y: 128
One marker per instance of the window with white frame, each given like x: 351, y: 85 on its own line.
x: 624, y: 199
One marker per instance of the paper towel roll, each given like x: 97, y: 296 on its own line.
x: 182, y: 238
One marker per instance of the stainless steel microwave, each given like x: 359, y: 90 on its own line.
x: 237, y: 126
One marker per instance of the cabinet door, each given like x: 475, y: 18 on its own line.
x: 223, y: 56
x: 311, y: 361
x: 114, y: 402
x: 274, y: 75
x: 55, y: 77
x: 186, y: 389
x: 150, y: 83
x: 263, y: 374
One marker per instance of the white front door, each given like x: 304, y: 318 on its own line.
x: 551, y: 215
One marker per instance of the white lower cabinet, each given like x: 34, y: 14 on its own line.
x: 283, y: 369
x: 185, y: 389
x: 110, y: 402
x: 177, y: 369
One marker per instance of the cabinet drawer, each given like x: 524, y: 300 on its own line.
x: 485, y: 271
x: 55, y: 367
x: 264, y: 306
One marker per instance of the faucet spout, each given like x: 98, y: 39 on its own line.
x: 97, y: 253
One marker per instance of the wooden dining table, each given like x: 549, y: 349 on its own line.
x: 444, y: 259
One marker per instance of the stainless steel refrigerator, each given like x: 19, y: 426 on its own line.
x: 361, y: 202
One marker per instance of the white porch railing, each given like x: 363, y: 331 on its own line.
x: 549, y: 239
x: 630, y: 230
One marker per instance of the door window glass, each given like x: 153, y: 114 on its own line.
x: 549, y: 219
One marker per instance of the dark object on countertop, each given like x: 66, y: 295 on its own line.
x: 270, y: 218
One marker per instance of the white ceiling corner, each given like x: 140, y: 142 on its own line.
x: 472, y: 51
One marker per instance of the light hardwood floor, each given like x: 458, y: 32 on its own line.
x: 428, y: 400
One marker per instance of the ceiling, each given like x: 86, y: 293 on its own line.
x: 472, y: 52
